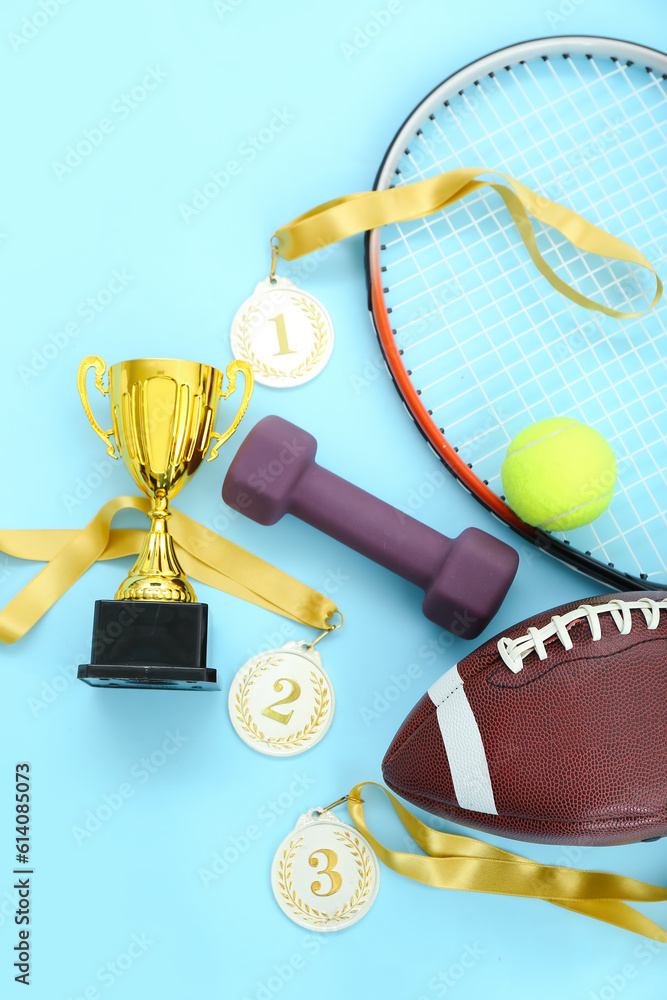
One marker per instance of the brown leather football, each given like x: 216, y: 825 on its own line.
x: 554, y: 731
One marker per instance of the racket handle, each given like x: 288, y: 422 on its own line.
x: 465, y: 579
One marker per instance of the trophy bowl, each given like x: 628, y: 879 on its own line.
x: 163, y: 414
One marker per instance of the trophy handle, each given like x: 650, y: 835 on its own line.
x: 233, y: 368
x: 100, y: 367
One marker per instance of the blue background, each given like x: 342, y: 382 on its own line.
x: 222, y: 71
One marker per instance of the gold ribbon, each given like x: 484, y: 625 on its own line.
x: 202, y: 553
x: 455, y: 862
x: 354, y: 213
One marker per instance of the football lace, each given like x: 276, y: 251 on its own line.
x: 513, y: 651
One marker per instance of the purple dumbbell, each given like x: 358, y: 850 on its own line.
x: 466, y: 578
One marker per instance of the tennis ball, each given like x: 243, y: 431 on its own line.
x: 559, y: 474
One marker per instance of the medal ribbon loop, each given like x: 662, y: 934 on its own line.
x: 354, y: 213
x: 205, y: 555
x: 455, y: 862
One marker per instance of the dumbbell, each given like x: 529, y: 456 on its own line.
x: 465, y: 579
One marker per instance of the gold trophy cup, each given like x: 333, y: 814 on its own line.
x: 163, y: 412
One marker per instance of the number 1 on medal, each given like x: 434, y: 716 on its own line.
x: 281, y: 330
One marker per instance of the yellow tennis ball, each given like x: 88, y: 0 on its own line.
x: 559, y: 474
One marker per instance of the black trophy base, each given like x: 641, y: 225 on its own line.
x: 149, y: 644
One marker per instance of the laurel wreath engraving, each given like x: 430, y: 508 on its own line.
x: 244, y: 716
x: 320, y: 345
x: 356, y: 900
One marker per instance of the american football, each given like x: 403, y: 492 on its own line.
x: 554, y: 731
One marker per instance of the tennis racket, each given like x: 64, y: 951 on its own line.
x: 478, y: 343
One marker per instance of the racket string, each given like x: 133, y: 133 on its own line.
x: 628, y: 121
x: 412, y: 247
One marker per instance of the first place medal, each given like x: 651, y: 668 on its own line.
x: 284, y: 333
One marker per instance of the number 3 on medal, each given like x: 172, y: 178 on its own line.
x: 281, y: 330
x: 329, y: 869
x: 292, y: 696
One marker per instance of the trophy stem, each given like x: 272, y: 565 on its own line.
x: 157, y: 574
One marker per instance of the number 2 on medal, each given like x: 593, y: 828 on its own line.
x: 329, y: 869
x: 292, y: 696
x: 281, y: 330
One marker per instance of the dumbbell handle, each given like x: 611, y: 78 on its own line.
x: 369, y: 525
